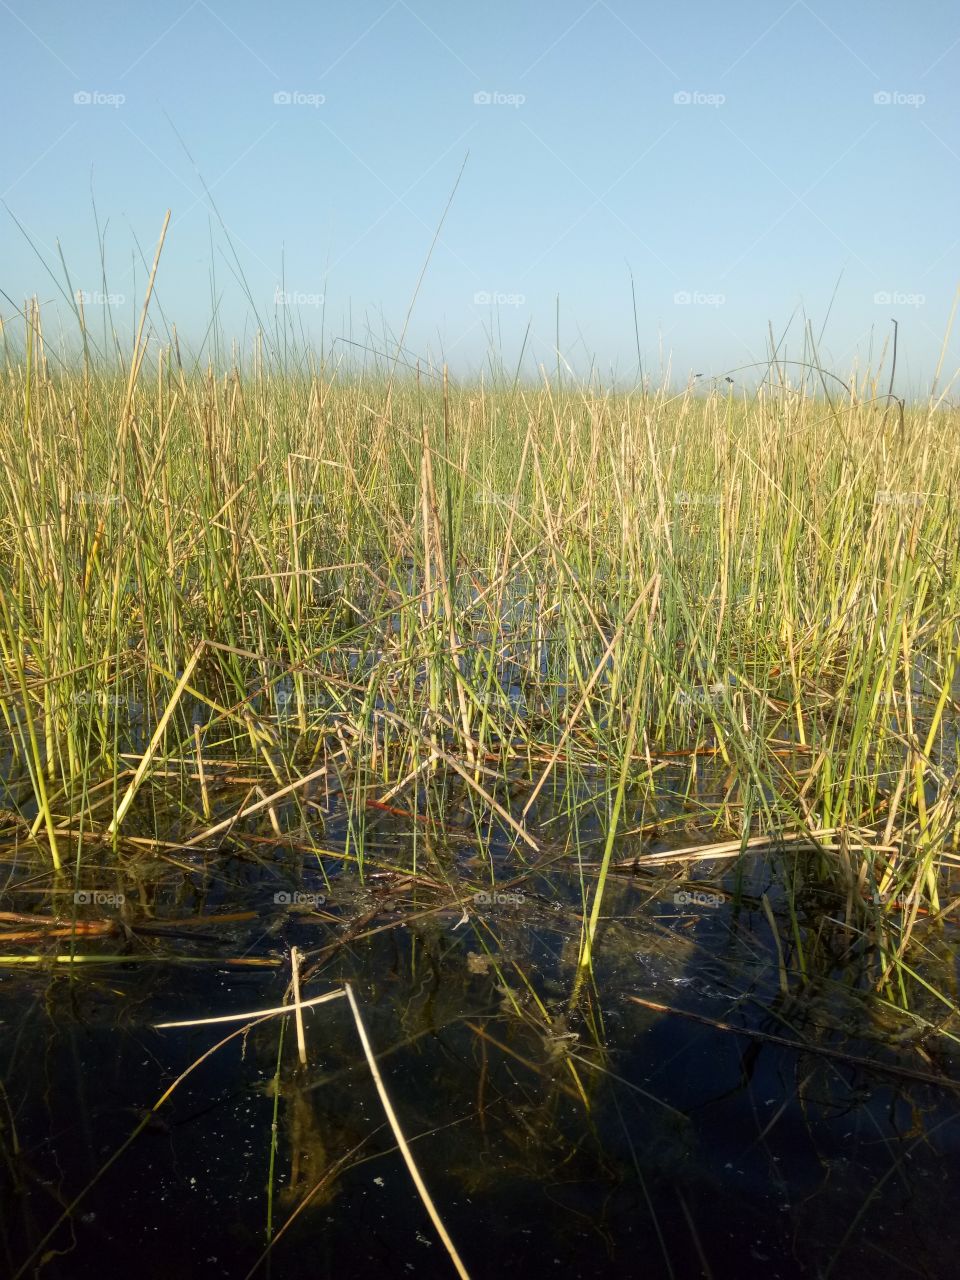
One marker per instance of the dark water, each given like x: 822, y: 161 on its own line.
x: 590, y: 1138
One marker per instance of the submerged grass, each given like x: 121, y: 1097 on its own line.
x: 464, y: 598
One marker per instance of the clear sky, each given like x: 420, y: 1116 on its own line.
x: 751, y: 164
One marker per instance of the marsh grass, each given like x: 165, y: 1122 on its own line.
x: 470, y: 596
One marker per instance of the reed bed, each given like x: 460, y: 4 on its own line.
x: 403, y: 590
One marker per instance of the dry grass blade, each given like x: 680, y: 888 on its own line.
x: 298, y: 1004
x: 278, y: 1011
x: 401, y: 1140
x: 130, y: 794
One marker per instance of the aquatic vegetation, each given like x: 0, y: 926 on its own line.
x: 395, y: 588
x: 502, y: 703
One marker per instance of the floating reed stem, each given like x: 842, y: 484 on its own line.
x: 401, y: 1140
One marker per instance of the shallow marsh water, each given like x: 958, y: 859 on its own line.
x: 605, y: 1138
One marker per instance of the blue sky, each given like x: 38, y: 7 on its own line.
x: 758, y: 164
